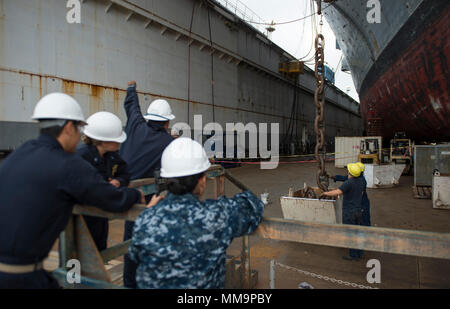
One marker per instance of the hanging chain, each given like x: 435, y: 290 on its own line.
x: 325, y: 278
x: 319, y: 100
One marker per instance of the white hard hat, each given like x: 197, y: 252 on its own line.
x: 175, y: 132
x: 159, y: 110
x: 105, y: 127
x: 183, y: 157
x: 58, y: 106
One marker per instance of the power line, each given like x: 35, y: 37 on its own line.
x: 286, y: 22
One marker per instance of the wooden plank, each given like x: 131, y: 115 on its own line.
x: 67, y: 243
x: 219, y: 186
x: 405, y: 242
x: 92, y: 264
x: 116, y: 273
x: 141, y: 182
x: 115, y: 251
x: 129, y: 215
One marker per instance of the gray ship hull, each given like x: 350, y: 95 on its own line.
x: 399, y: 66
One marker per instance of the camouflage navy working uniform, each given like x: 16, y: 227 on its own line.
x: 181, y: 242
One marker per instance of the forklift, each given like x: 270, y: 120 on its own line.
x: 369, y: 151
x: 402, y: 151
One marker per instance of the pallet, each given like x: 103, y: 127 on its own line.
x: 422, y: 192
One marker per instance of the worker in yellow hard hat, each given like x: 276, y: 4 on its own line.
x: 352, y: 191
x: 365, y: 198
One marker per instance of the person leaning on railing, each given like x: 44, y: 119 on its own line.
x: 102, y: 137
x: 40, y: 183
x: 181, y: 242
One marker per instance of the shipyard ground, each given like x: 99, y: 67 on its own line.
x: 390, y: 208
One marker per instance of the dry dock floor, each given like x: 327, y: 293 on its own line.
x: 390, y: 208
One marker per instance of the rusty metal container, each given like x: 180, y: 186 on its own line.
x: 383, y: 176
x: 311, y: 210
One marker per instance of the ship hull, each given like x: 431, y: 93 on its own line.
x: 412, y: 94
x: 405, y: 82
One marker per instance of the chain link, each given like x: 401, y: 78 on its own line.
x: 319, y: 123
x: 333, y: 280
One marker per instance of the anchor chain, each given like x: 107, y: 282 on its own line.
x: 319, y: 99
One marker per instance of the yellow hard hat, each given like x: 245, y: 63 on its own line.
x: 354, y: 170
x: 361, y: 166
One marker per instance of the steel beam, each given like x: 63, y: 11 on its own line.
x: 115, y: 251
x: 386, y: 240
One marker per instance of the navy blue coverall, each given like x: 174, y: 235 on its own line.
x: 352, y: 206
x: 39, y: 185
x: 365, y: 200
x: 142, y: 151
x: 110, y: 166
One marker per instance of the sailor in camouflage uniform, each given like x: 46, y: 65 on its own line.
x: 181, y: 242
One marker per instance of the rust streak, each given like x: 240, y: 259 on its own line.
x: 68, y: 87
x: 166, y: 97
x: 94, y: 100
x: 116, y: 101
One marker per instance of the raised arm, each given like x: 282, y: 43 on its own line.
x: 132, y: 108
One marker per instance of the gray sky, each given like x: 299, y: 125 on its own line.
x: 296, y: 38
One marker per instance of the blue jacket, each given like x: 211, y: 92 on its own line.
x: 39, y: 185
x: 353, y: 189
x: 181, y: 242
x: 110, y: 166
x: 145, y: 141
x: 365, y: 198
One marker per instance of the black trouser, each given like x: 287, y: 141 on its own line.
x: 39, y: 279
x: 98, y: 227
x: 354, y: 217
x: 129, y: 267
x: 366, y: 211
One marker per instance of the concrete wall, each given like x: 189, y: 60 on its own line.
x: 93, y: 61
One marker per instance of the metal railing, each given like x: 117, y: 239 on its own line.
x: 245, y: 13
x: 76, y: 241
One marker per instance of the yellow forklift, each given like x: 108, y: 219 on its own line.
x: 369, y: 151
x: 402, y: 151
